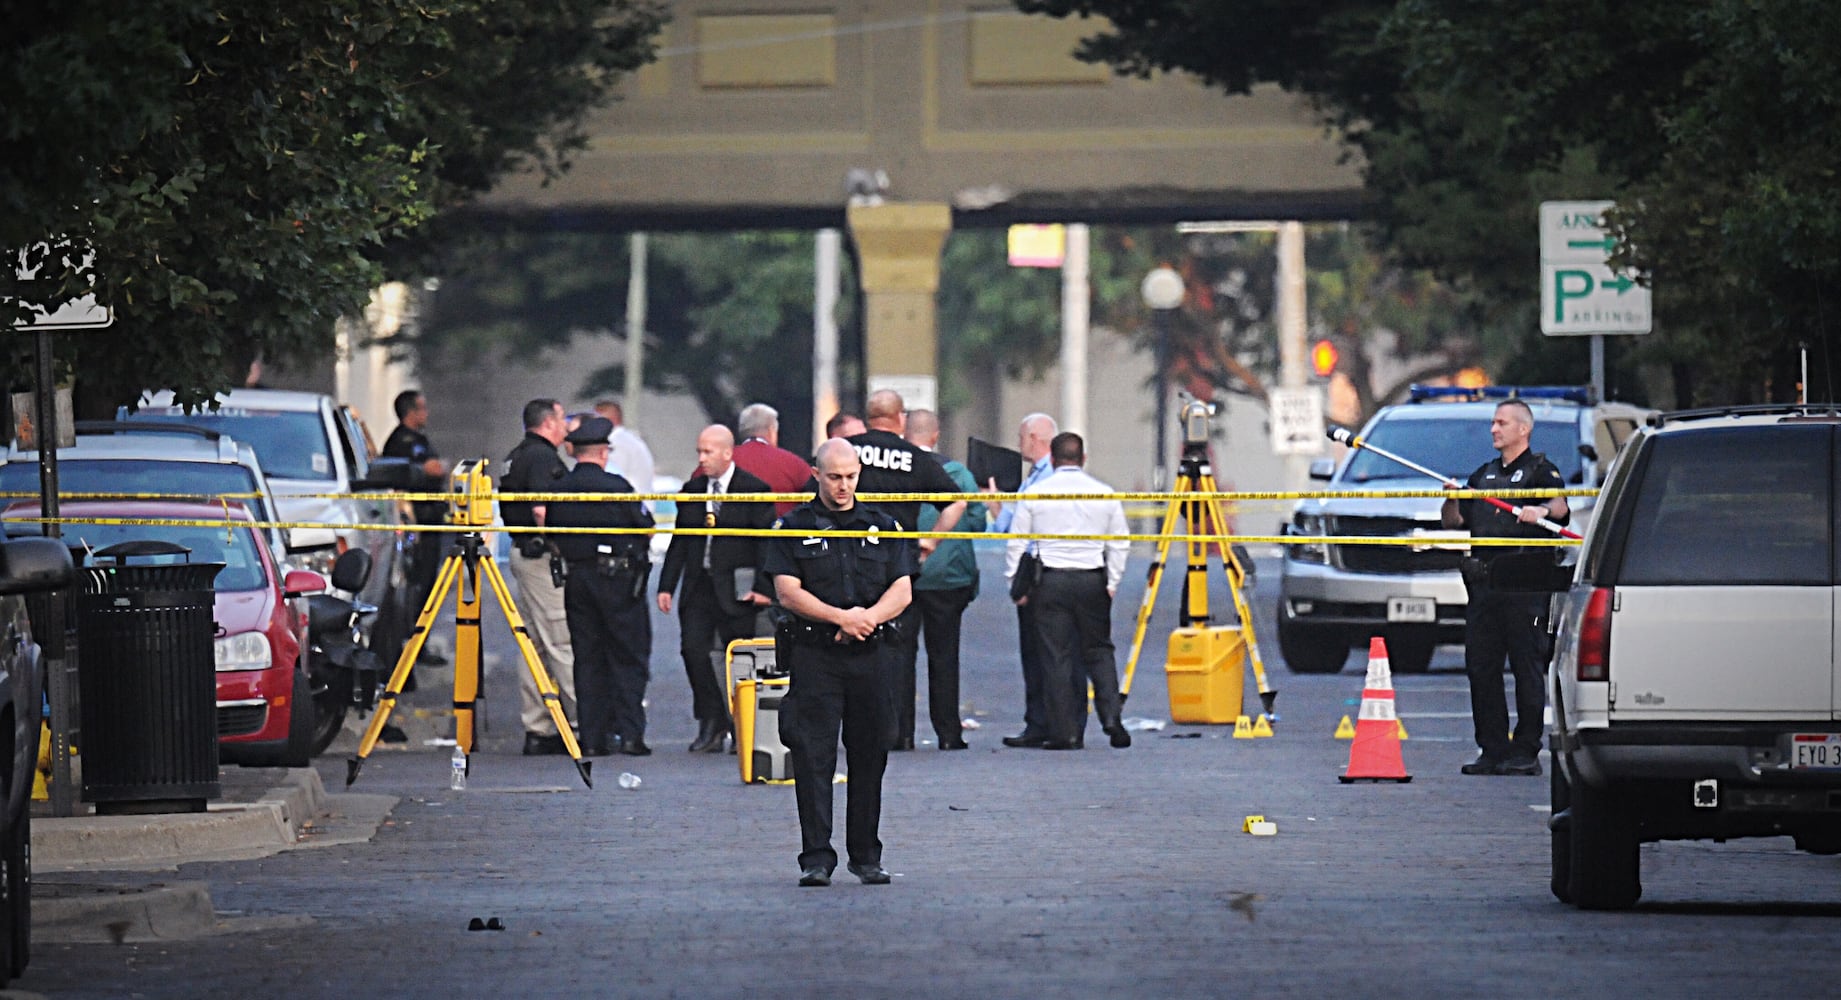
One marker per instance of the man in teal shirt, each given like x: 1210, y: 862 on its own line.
x: 947, y: 584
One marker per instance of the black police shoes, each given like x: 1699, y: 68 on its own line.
x: 711, y: 736
x: 635, y: 747
x: 1062, y: 744
x: 392, y: 733
x: 815, y: 875
x: 1025, y: 740
x: 952, y: 744
x: 903, y: 743
x: 1121, y: 737
x: 1482, y: 765
x: 1529, y: 767
x: 870, y: 874
x: 538, y: 745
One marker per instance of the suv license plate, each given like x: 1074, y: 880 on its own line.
x: 1421, y: 609
x: 1815, y: 750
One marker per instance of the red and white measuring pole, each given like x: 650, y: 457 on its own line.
x: 1343, y: 435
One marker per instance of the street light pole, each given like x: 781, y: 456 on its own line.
x: 1162, y: 291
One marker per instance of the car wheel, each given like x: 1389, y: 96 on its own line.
x: 1605, y: 860
x: 1560, y: 827
x: 1409, y: 650
x: 16, y: 907
x: 331, y: 695
x: 1312, y: 650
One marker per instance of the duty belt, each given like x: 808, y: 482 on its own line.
x: 804, y: 632
x: 611, y: 565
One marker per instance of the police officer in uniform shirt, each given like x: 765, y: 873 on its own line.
x: 1499, y: 623
x: 840, y: 593
x: 610, y: 627
x: 534, y: 466
x: 409, y: 441
x: 893, y: 465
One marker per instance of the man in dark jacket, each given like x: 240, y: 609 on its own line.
x: 946, y: 586
x: 721, y: 594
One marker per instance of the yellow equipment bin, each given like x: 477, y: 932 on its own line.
x: 1206, y: 675
x: 756, y: 687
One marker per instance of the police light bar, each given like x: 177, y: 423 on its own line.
x: 1580, y: 394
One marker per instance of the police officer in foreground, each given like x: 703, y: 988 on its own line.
x: 841, y: 593
x: 1502, y: 623
x: 610, y: 627
x: 535, y: 466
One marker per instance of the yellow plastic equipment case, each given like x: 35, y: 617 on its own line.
x: 756, y: 686
x: 1206, y: 674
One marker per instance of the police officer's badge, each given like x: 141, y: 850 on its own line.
x: 1516, y: 478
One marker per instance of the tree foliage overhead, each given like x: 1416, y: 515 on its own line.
x: 244, y: 174
x: 1714, y: 126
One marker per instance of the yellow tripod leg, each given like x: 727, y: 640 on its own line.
x: 1195, y: 608
x: 1164, y: 535
x: 467, y: 660
x: 546, y: 685
x: 1236, y: 584
x: 386, y: 702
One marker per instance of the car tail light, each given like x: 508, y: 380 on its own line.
x: 1595, y: 637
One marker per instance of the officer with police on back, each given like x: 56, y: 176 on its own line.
x: 841, y: 593
x: 610, y: 626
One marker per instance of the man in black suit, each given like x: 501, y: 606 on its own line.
x: 721, y: 594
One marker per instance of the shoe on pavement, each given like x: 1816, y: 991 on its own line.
x: 870, y: 874
x: 1025, y: 740
x: 814, y: 875
x: 952, y: 745
x: 1121, y: 738
x: 903, y: 743
x: 1482, y: 765
x: 539, y: 745
x: 1529, y: 767
x: 635, y: 747
x: 392, y: 733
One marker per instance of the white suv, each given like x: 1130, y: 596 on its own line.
x: 1694, y: 686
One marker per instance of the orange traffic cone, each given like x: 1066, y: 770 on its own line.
x: 1375, y: 754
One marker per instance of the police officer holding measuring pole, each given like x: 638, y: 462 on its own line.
x: 1500, y: 623
x: 841, y: 593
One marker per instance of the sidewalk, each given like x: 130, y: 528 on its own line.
x: 263, y: 811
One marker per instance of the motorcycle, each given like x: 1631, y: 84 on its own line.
x: 343, y: 672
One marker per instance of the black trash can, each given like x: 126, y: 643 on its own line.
x: 147, y: 678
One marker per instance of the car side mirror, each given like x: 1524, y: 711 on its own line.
x: 389, y: 474
x: 1538, y: 572
x: 300, y: 582
x: 1322, y: 469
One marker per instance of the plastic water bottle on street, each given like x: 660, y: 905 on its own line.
x: 628, y: 780
x: 459, y: 779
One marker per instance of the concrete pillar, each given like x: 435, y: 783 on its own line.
x: 898, y: 246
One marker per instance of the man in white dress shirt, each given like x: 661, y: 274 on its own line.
x: 1073, y: 600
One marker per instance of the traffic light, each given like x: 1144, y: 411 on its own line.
x: 1323, y: 357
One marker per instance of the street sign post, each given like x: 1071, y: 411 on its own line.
x: 1297, y: 420
x: 1580, y: 294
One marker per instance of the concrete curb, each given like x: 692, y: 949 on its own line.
x: 294, y: 812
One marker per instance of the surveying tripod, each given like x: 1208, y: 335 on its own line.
x: 472, y: 506
x: 1194, y: 476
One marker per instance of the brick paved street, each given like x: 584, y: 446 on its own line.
x: 1018, y: 873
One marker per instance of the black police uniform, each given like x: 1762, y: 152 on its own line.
x: 609, y: 626
x: 425, y: 557
x: 1501, y: 623
x: 835, y: 682
x: 532, y: 467
x: 892, y: 465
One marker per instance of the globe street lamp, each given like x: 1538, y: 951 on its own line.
x: 1162, y: 290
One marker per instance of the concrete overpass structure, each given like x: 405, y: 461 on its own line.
x: 936, y: 114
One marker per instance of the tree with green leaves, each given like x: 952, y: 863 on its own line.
x: 1712, y: 124
x: 245, y: 174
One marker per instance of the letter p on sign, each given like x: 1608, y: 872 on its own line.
x: 1570, y: 285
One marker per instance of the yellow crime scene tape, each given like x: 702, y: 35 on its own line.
x: 1159, y: 500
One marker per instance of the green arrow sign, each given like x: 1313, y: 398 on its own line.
x: 1620, y: 282
x: 1607, y: 244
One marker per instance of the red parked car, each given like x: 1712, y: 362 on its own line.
x: 264, y: 703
